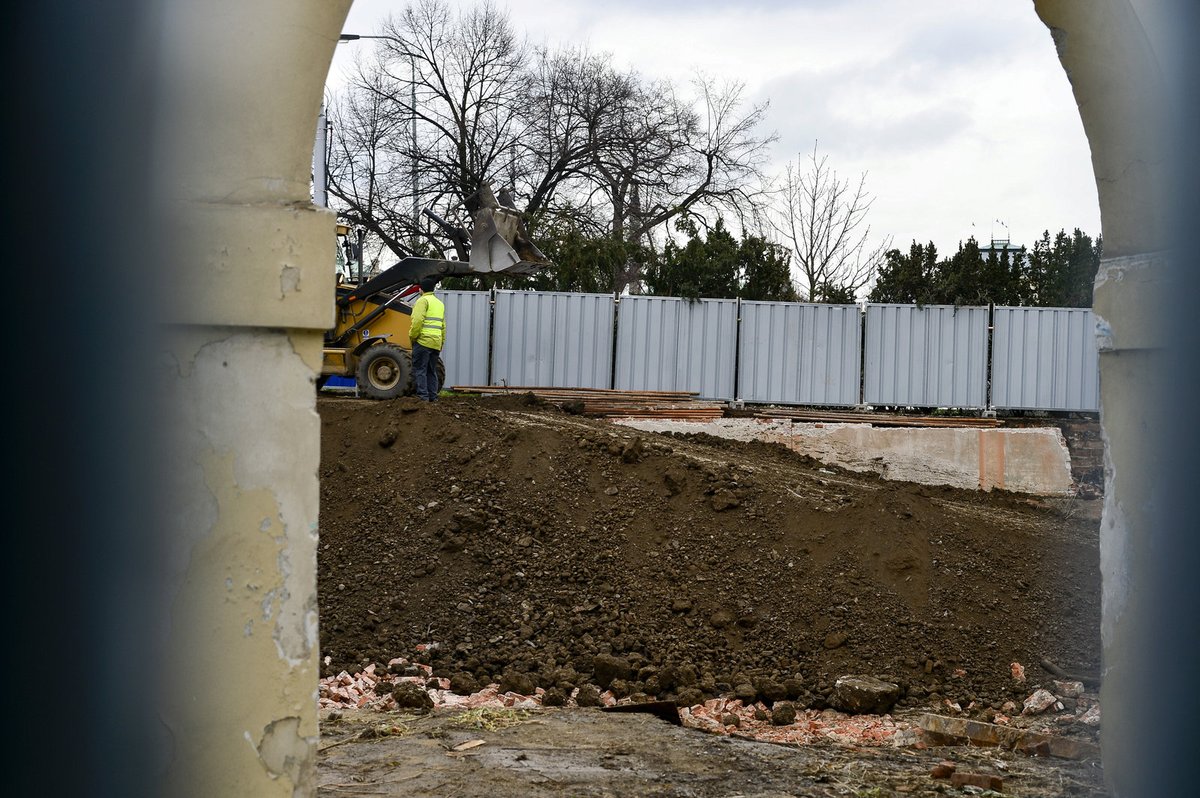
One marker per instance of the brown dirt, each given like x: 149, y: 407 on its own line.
x: 499, y: 537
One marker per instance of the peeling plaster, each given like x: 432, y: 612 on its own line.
x: 1114, y: 552
x: 289, y: 280
x: 1117, y: 269
x: 1104, y: 333
x: 243, y: 551
x: 275, y: 749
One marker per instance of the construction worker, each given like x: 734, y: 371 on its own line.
x: 427, y: 331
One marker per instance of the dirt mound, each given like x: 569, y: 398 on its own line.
x: 507, y: 541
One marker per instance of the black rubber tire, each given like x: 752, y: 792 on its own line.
x: 384, y: 372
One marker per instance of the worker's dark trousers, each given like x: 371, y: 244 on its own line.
x: 425, y: 377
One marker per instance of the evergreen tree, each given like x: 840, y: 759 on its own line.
x: 1063, y: 269
x: 905, y: 279
x: 970, y: 278
x: 705, y: 266
x: 1081, y: 273
x: 584, y: 263
x: 766, y: 273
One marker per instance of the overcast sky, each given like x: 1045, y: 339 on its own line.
x: 958, y: 112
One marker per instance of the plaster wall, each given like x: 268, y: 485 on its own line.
x: 1034, y: 461
x: 247, y: 292
x: 1114, y: 52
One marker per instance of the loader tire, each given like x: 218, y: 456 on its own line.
x: 384, y: 372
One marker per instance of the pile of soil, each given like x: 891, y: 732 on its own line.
x: 505, y: 540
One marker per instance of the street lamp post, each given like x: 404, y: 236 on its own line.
x: 412, y: 66
x: 320, y: 161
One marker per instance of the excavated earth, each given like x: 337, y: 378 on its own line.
x: 502, y: 540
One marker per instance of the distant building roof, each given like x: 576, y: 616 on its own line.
x: 1000, y: 246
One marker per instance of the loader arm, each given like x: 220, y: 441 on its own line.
x: 498, y: 244
x: 405, y: 273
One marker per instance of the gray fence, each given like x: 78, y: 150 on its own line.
x: 1045, y: 359
x: 932, y: 356
x: 551, y: 338
x: 670, y: 344
x: 468, y: 334
x: 778, y: 352
x: 793, y: 353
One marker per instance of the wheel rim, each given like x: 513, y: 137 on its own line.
x: 384, y: 373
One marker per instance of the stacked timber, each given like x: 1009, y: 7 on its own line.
x: 608, y: 403
x: 876, y: 419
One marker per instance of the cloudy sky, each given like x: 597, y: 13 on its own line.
x: 958, y: 112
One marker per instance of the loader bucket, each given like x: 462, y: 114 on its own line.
x: 501, y: 245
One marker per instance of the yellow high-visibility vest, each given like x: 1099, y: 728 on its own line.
x: 427, y: 326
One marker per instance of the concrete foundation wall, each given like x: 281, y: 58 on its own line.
x: 1034, y: 461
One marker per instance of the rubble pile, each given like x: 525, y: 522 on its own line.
x: 520, y: 552
x: 1045, y: 725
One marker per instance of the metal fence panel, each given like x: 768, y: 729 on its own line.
x: 552, y: 339
x: 935, y: 356
x: 468, y: 335
x: 671, y: 344
x: 1045, y: 359
x: 793, y: 353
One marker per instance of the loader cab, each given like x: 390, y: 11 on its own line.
x: 348, y: 255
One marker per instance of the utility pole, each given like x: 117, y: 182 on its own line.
x: 416, y: 210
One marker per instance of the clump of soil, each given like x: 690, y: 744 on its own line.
x: 501, y: 540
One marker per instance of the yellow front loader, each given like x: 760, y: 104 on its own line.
x: 369, y: 340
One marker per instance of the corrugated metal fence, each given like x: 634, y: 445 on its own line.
x: 793, y: 353
x: 778, y: 352
x: 552, y: 339
x: 468, y: 335
x: 670, y: 344
x: 1045, y: 359
x: 932, y: 356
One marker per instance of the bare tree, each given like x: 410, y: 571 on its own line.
x: 822, y: 218
x: 670, y: 157
x: 368, y: 170
x: 574, y: 100
x: 449, y: 102
x: 431, y: 117
x: 715, y: 164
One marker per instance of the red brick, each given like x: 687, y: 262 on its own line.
x: 942, y: 770
x: 977, y: 780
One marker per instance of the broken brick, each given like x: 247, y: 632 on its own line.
x: 977, y: 780
x: 1068, y: 689
x: 1039, y: 702
x: 943, y: 770
x: 940, y: 728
